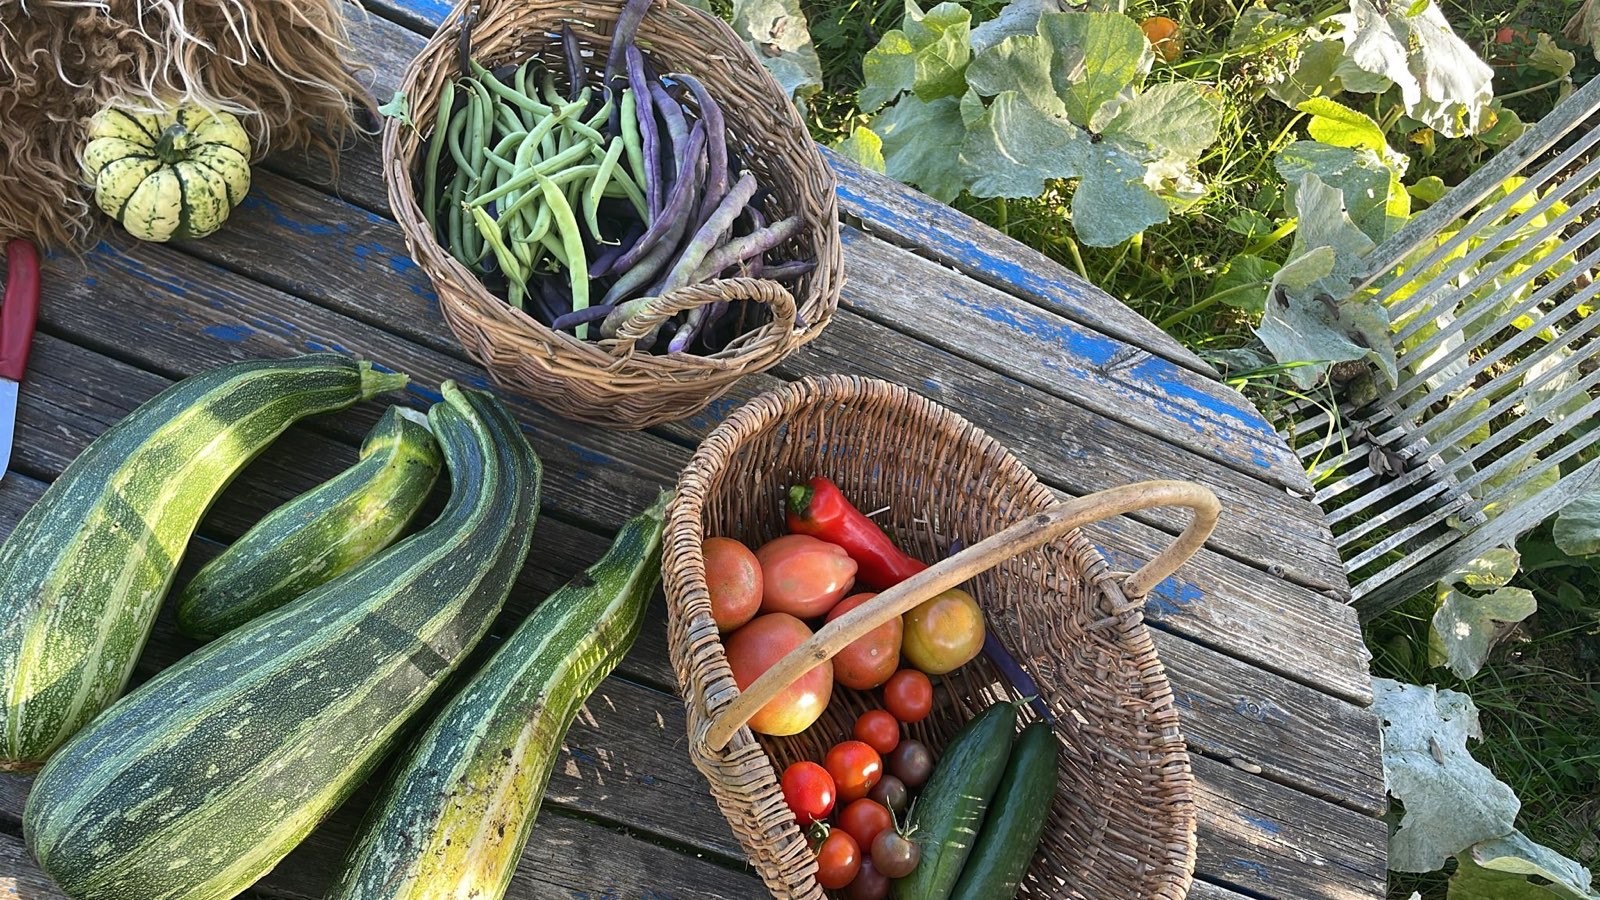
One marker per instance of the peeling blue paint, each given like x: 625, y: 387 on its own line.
x: 232, y: 334
x: 431, y: 11
x: 317, y: 346
x: 426, y: 393
x: 1260, y: 824
x: 1167, y: 599
x: 1254, y: 868
x: 255, y: 201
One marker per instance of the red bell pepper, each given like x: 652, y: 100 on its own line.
x: 820, y: 509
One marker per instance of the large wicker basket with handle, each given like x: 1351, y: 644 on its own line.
x: 1122, y: 826
x: 609, y: 382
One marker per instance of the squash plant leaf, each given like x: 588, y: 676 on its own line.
x: 1443, y: 83
x: 888, y: 69
x: 1475, y: 606
x: 1373, y: 195
x: 1245, y: 283
x: 1577, y: 528
x: 863, y: 146
x: 928, y: 55
x: 1111, y: 203
x: 1015, y: 148
x: 1020, y: 64
x: 922, y: 144
x: 1019, y: 17
x: 779, y: 34
x: 1451, y: 800
x: 1176, y: 121
x: 399, y: 107
x: 1495, y: 867
x: 1098, y: 56
x: 1551, y: 59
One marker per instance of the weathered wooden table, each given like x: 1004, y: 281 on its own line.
x: 1267, y: 663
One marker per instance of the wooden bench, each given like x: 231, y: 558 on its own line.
x: 1266, y: 659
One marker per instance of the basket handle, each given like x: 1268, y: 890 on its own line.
x: 659, y: 309
x: 1031, y: 533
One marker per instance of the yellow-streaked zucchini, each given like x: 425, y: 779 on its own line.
x: 82, y: 574
x: 196, y: 784
x: 455, y: 817
x: 319, y: 535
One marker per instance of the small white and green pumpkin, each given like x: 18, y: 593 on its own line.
x: 176, y: 173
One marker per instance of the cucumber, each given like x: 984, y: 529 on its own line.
x: 947, y: 816
x: 194, y: 785
x: 459, y: 810
x: 319, y: 535
x: 85, y: 569
x: 1016, y: 819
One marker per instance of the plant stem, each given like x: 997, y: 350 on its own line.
x: 1272, y: 237
x: 1000, y: 215
x: 1077, y: 258
x: 1167, y: 323
x: 1538, y: 87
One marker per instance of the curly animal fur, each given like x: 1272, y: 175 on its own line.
x: 276, y: 64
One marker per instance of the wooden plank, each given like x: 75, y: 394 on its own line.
x: 1068, y: 445
x: 1304, y: 737
x: 1205, y: 890
x: 1273, y: 843
x: 20, y: 877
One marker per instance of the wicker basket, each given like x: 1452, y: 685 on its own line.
x: 1123, y: 822
x: 608, y: 383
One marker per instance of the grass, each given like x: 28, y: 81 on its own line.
x: 1539, y: 696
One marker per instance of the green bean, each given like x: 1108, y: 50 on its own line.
x: 507, y: 119
x: 430, y: 168
x: 458, y: 187
x: 529, y: 118
x: 597, y: 187
x: 509, y: 142
x: 523, y: 101
x: 585, y: 131
x: 499, y: 162
x: 631, y: 137
x: 477, y: 132
x: 457, y: 134
x: 624, y: 187
x: 509, y: 264
x: 533, y: 174
x: 547, y: 86
x: 599, y: 118
x: 540, y: 227
x: 564, y: 177
x: 566, y: 225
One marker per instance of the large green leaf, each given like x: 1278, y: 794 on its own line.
x: 1020, y: 64
x: 1451, y: 800
x: 1098, y: 56
x: 1516, y: 855
x: 928, y: 55
x: 1015, y: 148
x: 1111, y: 202
x: 1577, y: 527
x: 864, y: 146
x: 1312, y: 73
x: 1474, y: 882
x: 922, y: 144
x: 1373, y: 195
x: 1474, y: 607
x: 1019, y: 17
x: 1244, y: 285
x: 1334, y: 123
x: 1443, y: 83
x: 889, y: 69
x: 778, y: 32
x: 1177, y: 120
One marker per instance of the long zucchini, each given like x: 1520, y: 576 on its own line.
x: 455, y: 818
x: 195, y: 785
x: 1016, y: 820
x: 319, y: 535
x: 83, y: 573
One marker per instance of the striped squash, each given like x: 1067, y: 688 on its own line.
x: 319, y: 535
x: 82, y: 574
x: 197, y: 783
x: 174, y: 173
x: 456, y: 816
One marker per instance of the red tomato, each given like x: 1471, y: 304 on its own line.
x: 908, y: 695
x: 808, y: 789
x: 855, y: 768
x: 870, y: 884
x: 863, y: 819
x: 803, y: 576
x: 869, y: 660
x: 838, y: 860
x: 733, y: 578
x: 878, y: 730
x: 944, y: 633
x: 757, y: 647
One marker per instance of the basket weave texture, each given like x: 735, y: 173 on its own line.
x: 609, y: 383
x: 1122, y: 826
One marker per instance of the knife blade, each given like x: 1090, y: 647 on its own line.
x: 19, y: 312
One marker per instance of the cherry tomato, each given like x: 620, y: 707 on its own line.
x: 869, y: 660
x: 838, y: 860
x: 733, y: 578
x: 908, y: 695
x: 870, y: 884
x: 757, y: 647
x: 863, y: 819
x: 803, y: 576
x: 893, y: 854
x: 1162, y: 33
x: 808, y: 789
x: 944, y: 633
x: 877, y: 729
x: 911, y: 763
x: 855, y: 768
x: 891, y: 792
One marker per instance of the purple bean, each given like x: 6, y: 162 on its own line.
x: 710, y: 233
x: 675, y: 212
x: 671, y: 113
x: 603, y: 260
x: 742, y: 248
x: 568, y: 321
x: 569, y: 47
x: 640, y: 273
x: 691, y: 328
x: 789, y: 270
x: 650, y: 136
x: 625, y: 30
x: 1020, y: 680
x: 716, y: 145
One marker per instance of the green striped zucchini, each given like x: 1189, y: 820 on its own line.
x: 319, y: 535
x: 454, y: 819
x: 82, y: 574
x: 200, y: 781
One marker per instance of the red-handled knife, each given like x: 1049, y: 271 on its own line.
x: 19, y: 310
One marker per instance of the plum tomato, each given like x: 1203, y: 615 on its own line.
x: 876, y: 728
x: 838, y: 860
x: 808, y: 789
x: 870, y: 884
x: 893, y: 854
x: 757, y: 647
x: 911, y: 762
x: 863, y: 819
x: 891, y: 792
x: 943, y: 633
x: 855, y: 768
x: 869, y: 660
x: 803, y: 576
x: 908, y: 695
x: 733, y: 578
